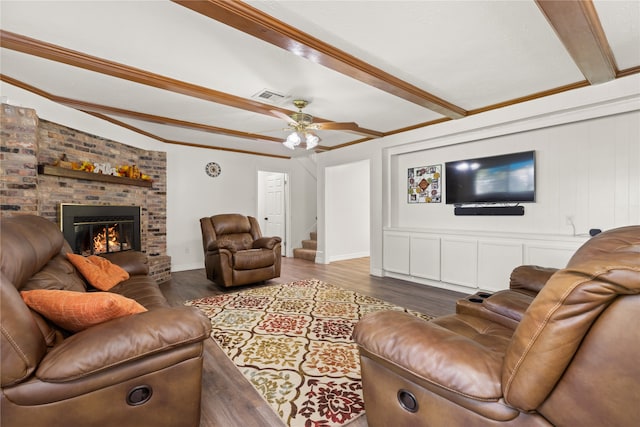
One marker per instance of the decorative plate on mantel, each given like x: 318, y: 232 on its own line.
x: 213, y: 169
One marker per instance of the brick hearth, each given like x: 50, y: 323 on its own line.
x: 27, y: 141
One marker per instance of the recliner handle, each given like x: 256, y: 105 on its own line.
x: 139, y: 395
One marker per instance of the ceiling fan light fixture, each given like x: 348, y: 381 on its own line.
x: 311, y: 140
x: 301, y: 126
x: 292, y: 141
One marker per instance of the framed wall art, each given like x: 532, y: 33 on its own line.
x: 425, y: 184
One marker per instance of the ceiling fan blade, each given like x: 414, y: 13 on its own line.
x: 283, y: 116
x: 348, y: 127
x: 336, y: 125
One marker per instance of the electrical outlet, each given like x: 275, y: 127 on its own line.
x: 569, y: 219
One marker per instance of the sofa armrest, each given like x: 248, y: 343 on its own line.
x: 467, y: 363
x: 530, y: 279
x: 217, y: 245
x: 133, y: 262
x: 122, y: 340
x: 508, y: 304
x: 266, y: 242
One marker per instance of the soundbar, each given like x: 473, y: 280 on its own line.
x: 489, y: 210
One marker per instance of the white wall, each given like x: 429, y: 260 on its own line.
x: 192, y: 194
x: 586, y: 170
x: 371, y: 153
x: 347, y: 211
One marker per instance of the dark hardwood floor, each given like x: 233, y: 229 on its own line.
x: 228, y: 399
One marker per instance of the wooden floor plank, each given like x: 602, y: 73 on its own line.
x: 228, y: 399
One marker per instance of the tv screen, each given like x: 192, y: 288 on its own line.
x: 504, y: 178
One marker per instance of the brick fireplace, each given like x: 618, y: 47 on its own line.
x: 27, y: 141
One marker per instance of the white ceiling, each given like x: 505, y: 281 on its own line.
x: 475, y: 55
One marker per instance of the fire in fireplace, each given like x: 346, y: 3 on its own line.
x: 109, y: 240
x: 97, y: 229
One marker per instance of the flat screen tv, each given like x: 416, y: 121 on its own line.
x: 508, y: 178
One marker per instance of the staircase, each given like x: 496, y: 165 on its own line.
x: 308, y: 249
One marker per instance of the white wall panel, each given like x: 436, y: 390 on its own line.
x: 425, y: 257
x: 496, y: 261
x: 395, y: 257
x: 585, y: 170
x: 460, y: 261
x: 548, y: 255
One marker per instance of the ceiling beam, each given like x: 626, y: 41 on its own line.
x: 52, y: 52
x: 577, y: 25
x: 250, y: 20
x: 173, y: 142
x: 63, y: 55
x: 89, y: 107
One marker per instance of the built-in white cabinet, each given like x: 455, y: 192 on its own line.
x: 396, y: 253
x: 467, y: 260
x: 424, y: 257
x: 459, y: 261
x: 496, y: 261
x: 548, y: 255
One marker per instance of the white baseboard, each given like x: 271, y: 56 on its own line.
x: 348, y: 256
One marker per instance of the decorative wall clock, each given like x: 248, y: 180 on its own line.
x: 213, y: 169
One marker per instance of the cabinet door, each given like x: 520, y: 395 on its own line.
x: 496, y: 261
x: 549, y: 256
x: 395, y: 256
x: 425, y: 257
x: 460, y: 261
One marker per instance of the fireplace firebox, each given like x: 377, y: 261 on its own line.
x: 98, y: 229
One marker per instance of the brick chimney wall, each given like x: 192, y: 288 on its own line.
x: 27, y: 141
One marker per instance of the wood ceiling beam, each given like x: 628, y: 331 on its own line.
x: 52, y: 52
x: 250, y: 20
x: 577, y: 25
x: 89, y: 107
x: 103, y: 109
x: 63, y: 55
x: 173, y: 142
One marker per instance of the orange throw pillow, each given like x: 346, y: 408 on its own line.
x: 76, y: 311
x: 99, y: 272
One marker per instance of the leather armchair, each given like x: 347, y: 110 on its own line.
x: 143, y: 369
x: 571, y: 359
x: 235, y: 253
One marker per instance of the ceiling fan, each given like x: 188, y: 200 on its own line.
x: 302, y: 126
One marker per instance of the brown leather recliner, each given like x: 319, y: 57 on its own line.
x: 139, y: 370
x: 571, y: 360
x: 235, y: 253
x: 507, y: 307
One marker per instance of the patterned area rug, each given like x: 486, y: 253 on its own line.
x: 293, y: 343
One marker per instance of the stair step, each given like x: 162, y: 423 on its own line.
x: 308, y: 254
x: 310, y: 244
x: 314, y: 235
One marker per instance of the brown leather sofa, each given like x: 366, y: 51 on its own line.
x: 139, y: 370
x: 562, y: 350
x: 235, y: 253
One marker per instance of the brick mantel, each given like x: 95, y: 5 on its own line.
x: 27, y: 141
